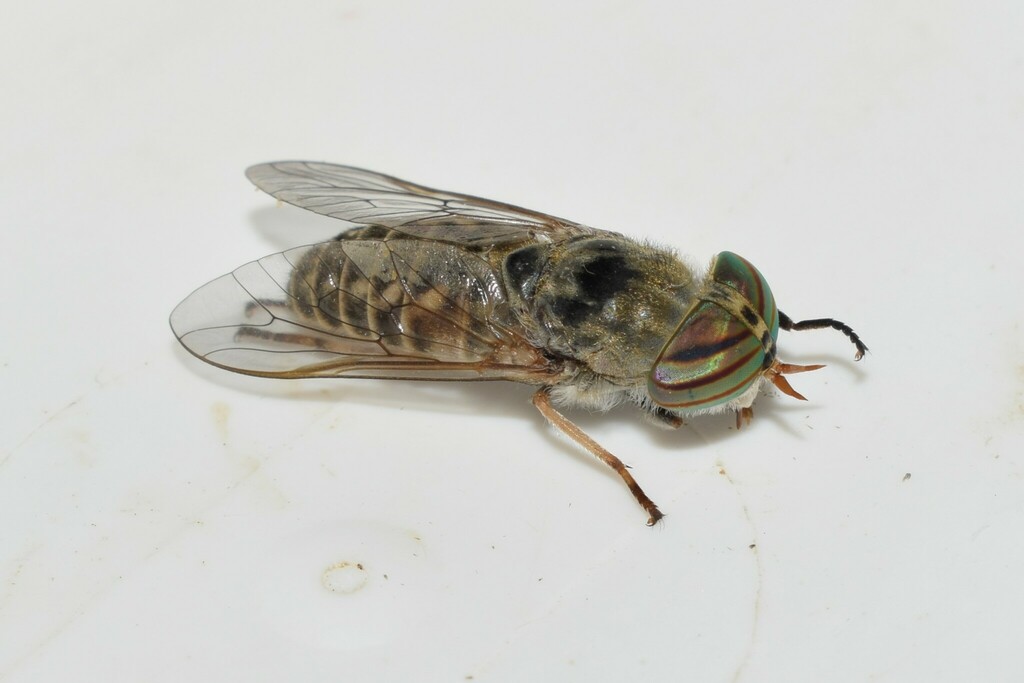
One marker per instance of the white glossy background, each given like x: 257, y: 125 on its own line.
x: 164, y: 521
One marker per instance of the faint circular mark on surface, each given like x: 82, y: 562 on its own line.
x: 344, y: 577
x: 306, y: 594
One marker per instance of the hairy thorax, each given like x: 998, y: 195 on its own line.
x: 608, y: 303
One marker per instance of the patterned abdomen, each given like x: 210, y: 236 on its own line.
x: 405, y: 298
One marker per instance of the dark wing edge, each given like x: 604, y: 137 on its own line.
x: 364, y: 197
x: 255, y: 321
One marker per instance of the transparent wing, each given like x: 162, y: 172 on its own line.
x: 366, y: 198
x: 390, y: 309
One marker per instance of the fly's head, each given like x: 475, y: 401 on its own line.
x: 725, y: 346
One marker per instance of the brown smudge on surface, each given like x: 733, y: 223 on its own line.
x: 344, y: 577
x: 221, y: 412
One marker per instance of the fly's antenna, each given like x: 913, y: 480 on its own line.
x: 786, y: 323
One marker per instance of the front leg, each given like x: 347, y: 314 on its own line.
x: 666, y: 418
x: 542, y: 399
x: 744, y: 416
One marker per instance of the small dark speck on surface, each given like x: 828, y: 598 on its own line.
x: 906, y: 476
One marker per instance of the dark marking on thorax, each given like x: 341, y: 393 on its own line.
x: 523, y: 268
x: 597, y: 281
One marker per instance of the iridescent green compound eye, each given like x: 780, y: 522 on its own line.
x: 724, y: 344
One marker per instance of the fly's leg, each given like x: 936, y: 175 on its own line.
x: 542, y: 399
x: 667, y: 419
x: 278, y: 309
x: 244, y: 333
x: 744, y: 416
x: 787, y: 323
